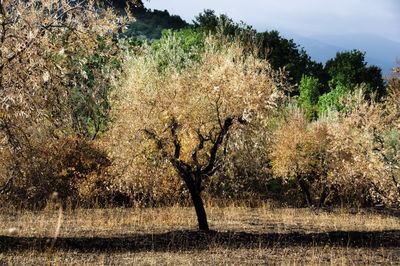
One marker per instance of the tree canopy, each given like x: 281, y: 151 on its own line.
x: 349, y: 69
x: 181, y: 118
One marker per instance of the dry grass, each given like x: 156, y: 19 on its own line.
x: 214, y: 256
x: 122, y: 222
x: 119, y: 223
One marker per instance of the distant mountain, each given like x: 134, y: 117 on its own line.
x: 379, y: 51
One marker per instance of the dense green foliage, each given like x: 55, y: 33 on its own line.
x: 209, y: 22
x: 286, y: 54
x: 280, y: 52
x: 149, y: 24
x: 89, y: 98
x: 349, y: 69
x: 330, y: 101
x: 309, y: 94
x: 178, y: 48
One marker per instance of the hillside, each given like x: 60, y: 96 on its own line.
x: 149, y: 24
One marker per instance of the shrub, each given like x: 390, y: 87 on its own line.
x: 55, y: 56
x: 63, y: 166
x: 299, y: 154
x: 309, y: 92
x: 178, y: 49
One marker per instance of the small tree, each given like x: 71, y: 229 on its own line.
x: 332, y: 101
x: 183, y: 118
x: 363, y: 151
x: 309, y: 92
x: 53, y: 56
x: 299, y: 153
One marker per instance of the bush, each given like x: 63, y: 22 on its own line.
x: 331, y: 101
x: 59, y: 62
x: 298, y: 154
x: 62, y: 166
x: 176, y: 50
x: 349, y: 157
x: 309, y: 93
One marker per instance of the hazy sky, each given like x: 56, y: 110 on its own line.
x: 303, y: 17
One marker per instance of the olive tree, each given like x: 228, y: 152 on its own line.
x: 182, y: 119
x: 298, y: 153
x: 352, y: 155
x: 49, y: 60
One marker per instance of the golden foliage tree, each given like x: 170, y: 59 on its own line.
x: 299, y: 152
x: 181, y: 119
x: 353, y: 153
x: 43, y: 48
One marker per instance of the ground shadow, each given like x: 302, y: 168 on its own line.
x: 195, y: 240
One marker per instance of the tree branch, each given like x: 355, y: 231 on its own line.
x: 6, y: 187
x: 3, y: 22
x: 214, y: 149
x: 159, y: 142
x: 42, y: 30
x: 183, y: 168
x: 218, y: 111
x: 177, y: 144
x: 198, y: 148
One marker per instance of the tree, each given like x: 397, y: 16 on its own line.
x: 299, y: 153
x: 282, y: 53
x: 364, y: 150
x: 51, y: 53
x: 309, y: 93
x: 351, y: 156
x: 178, y: 49
x: 120, y: 4
x: 209, y: 22
x: 181, y: 119
x: 286, y: 54
x: 149, y: 24
x: 349, y: 69
x: 332, y: 101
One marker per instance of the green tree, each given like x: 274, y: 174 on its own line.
x: 309, y: 93
x: 177, y: 49
x: 279, y: 51
x: 331, y: 100
x: 349, y: 69
x: 91, y: 79
x: 149, y: 24
x: 209, y: 22
x: 285, y: 53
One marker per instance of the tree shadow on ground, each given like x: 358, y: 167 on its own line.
x: 197, y: 240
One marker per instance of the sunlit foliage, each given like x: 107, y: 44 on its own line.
x: 58, y: 60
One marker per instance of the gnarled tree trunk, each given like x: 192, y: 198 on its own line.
x: 196, y: 172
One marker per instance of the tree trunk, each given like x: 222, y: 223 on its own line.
x: 195, y: 193
x: 200, y: 211
x: 322, y: 198
x: 306, y: 192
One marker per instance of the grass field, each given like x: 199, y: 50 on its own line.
x: 168, y: 236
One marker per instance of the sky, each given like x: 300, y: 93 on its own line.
x: 301, y: 17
